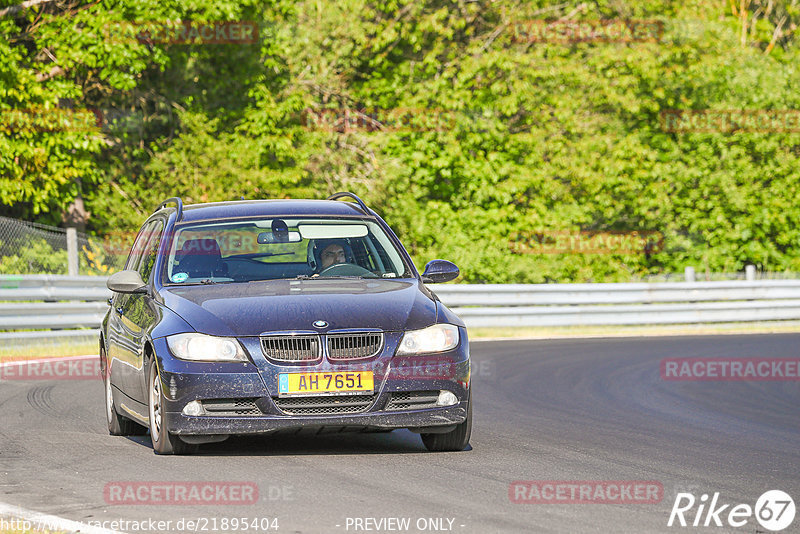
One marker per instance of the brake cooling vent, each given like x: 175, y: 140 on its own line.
x: 234, y: 407
x: 412, y: 400
x: 324, y: 405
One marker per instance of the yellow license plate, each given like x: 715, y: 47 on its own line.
x: 333, y: 382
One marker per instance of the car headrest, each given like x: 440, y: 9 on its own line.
x: 201, y: 247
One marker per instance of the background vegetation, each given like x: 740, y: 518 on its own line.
x: 526, y: 136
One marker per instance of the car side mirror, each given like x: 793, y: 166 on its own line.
x: 128, y: 281
x: 439, y: 271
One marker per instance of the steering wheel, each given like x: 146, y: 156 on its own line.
x: 346, y: 269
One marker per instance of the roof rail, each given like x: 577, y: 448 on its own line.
x: 347, y: 194
x: 178, y: 202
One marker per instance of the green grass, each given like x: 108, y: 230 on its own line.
x: 53, y: 349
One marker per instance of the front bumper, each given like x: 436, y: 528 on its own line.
x: 256, y: 382
x: 225, y: 425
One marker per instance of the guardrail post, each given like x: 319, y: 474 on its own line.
x: 750, y: 272
x: 688, y: 273
x: 72, y: 251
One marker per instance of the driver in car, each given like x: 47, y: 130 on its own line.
x: 331, y: 255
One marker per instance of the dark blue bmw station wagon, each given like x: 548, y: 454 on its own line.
x: 272, y: 316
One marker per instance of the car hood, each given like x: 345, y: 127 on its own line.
x: 249, y: 309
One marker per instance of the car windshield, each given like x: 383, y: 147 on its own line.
x: 273, y: 249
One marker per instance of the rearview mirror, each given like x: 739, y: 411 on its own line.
x: 128, y: 281
x: 270, y: 238
x: 439, y: 271
x: 332, y: 231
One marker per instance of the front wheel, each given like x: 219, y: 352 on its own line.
x: 456, y: 440
x: 163, y: 441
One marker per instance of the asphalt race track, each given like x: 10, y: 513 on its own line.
x: 587, y: 409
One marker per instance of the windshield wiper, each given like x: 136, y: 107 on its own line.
x: 318, y: 277
x: 205, y: 282
x: 299, y: 277
x: 307, y: 277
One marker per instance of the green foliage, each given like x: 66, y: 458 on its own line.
x: 36, y: 257
x: 500, y: 136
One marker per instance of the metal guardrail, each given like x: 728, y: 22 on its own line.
x: 44, y: 315
x: 53, y: 306
x: 69, y: 302
x: 52, y: 287
x: 496, y: 305
x: 494, y: 295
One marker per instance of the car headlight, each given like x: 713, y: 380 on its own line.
x: 436, y: 338
x: 203, y: 348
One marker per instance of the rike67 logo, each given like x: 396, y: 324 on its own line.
x: 774, y: 511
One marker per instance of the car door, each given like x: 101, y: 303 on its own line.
x: 142, y: 311
x: 121, y: 347
x: 137, y: 314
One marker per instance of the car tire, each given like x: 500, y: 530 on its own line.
x: 163, y: 441
x: 456, y: 440
x: 117, y: 424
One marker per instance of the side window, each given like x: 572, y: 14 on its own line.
x: 362, y: 255
x: 151, y: 251
x: 138, y: 247
x: 384, y: 258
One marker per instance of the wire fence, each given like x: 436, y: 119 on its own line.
x: 32, y: 248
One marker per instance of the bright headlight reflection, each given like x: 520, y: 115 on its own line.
x: 436, y: 338
x: 203, y: 348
